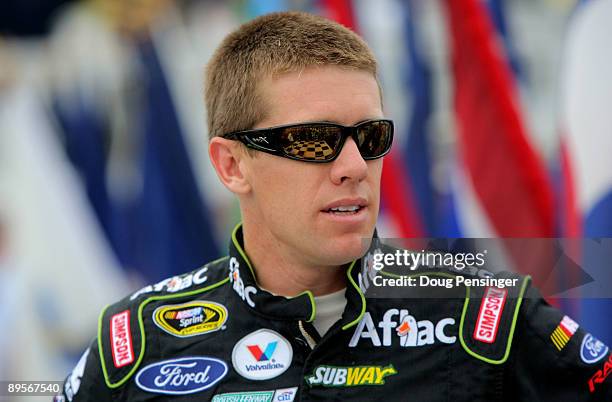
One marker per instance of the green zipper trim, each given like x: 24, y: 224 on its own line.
x: 363, y: 300
x: 241, y: 251
x: 142, y: 332
x: 512, y: 327
x: 313, y: 306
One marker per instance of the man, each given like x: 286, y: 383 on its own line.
x: 298, y: 134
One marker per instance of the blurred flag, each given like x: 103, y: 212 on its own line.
x: 587, y: 127
x: 58, y: 256
x: 172, y: 231
x: 509, y: 183
x: 123, y: 135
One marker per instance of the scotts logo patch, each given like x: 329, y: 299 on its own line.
x: 262, y: 355
x: 190, y: 319
x: 564, y: 331
x: 592, y: 349
x: 399, y: 324
x: 186, y: 375
x: 331, y: 376
x: 279, y: 395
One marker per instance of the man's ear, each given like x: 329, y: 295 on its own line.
x: 226, y: 156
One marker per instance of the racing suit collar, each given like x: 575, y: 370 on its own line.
x: 301, y: 307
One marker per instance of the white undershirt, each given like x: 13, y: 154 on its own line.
x: 329, y: 310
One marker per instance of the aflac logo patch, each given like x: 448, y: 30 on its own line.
x: 238, y: 285
x: 592, y: 350
x: 409, y: 331
x: 262, y: 355
x: 186, y: 375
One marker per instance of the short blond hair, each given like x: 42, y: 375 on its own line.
x: 269, y: 45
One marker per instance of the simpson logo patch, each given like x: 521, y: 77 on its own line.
x: 490, y: 314
x: 564, y: 331
x: 190, y: 319
x: 331, y: 376
x: 121, y: 338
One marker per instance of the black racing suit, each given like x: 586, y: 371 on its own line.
x: 213, y: 334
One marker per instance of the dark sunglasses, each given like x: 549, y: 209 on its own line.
x: 319, y: 142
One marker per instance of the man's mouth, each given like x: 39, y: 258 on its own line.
x: 345, y: 210
x: 346, y: 206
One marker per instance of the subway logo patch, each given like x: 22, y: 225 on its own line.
x: 332, y: 376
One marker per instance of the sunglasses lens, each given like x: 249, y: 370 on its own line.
x: 374, y: 138
x: 311, y: 142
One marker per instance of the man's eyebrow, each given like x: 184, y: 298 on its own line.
x: 336, y: 122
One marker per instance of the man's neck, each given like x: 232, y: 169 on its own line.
x: 282, y: 273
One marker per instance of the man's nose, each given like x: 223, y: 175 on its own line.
x: 349, y: 165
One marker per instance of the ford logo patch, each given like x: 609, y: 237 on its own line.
x: 186, y: 375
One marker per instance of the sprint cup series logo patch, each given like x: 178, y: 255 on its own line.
x: 262, y: 355
x: 331, y: 376
x: 190, y: 319
x: 564, y: 331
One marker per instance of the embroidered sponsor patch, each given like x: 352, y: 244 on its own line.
x: 564, y: 331
x: 592, y: 349
x: 175, y: 283
x: 333, y: 376
x: 190, y: 319
x: 285, y: 395
x: 121, y: 338
x: 244, y: 292
x: 71, y: 387
x: 409, y: 331
x: 490, y: 314
x: 600, y: 375
x: 258, y: 396
x: 262, y: 355
x: 186, y: 375
x: 280, y: 395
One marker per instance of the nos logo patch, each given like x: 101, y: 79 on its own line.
x: 190, y: 319
x: 186, y: 375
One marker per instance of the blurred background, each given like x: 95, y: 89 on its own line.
x: 502, y: 112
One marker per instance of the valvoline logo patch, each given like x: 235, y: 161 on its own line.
x: 186, y: 375
x: 265, y: 355
x: 262, y: 355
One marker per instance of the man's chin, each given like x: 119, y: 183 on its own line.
x: 346, y: 249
